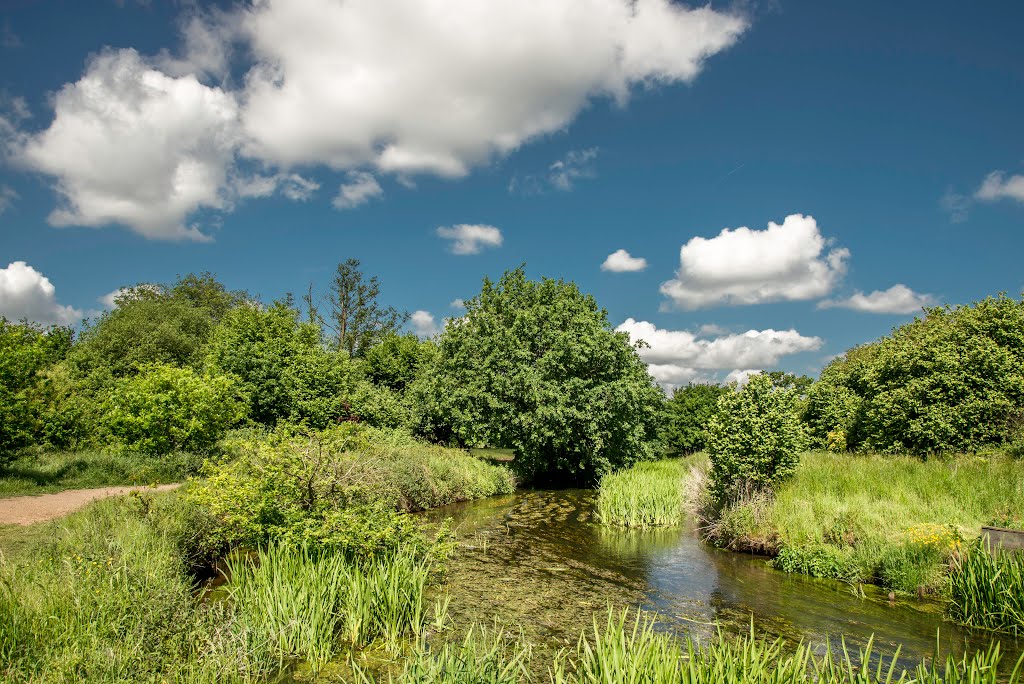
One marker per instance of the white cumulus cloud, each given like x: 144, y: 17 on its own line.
x: 27, y: 293
x: 423, y: 323
x: 458, y: 303
x: 898, y: 299
x: 470, y: 238
x: 292, y: 185
x: 409, y: 86
x: 133, y: 146
x: 621, y: 261
x: 787, y: 261
x: 359, y: 188
x: 676, y: 357
x: 997, y: 185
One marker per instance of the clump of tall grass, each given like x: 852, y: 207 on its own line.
x: 988, y: 588
x: 650, y: 494
x: 304, y: 605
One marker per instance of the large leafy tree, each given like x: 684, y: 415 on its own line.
x: 153, y: 323
x: 535, y: 366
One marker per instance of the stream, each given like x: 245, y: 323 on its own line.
x: 538, y: 563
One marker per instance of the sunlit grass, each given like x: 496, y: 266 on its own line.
x: 650, y: 494
x: 988, y: 589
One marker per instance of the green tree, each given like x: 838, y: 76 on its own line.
x: 687, y: 416
x: 282, y: 365
x: 754, y: 439
x: 536, y: 367
x: 951, y: 381
x: 165, y: 409
x: 395, y: 361
x: 153, y: 323
x: 357, y: 320
x: 26, y: 351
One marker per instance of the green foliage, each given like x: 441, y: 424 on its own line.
x: 106, y: 597
x: 688, y: 413
x: 536, y: 367
x: 645, y: 495
x: 165, y: 409
x: 754, y: 438
x: 952, y: 381
x: 635, y: 650
x: 341, y: 489
x: 166, y: 324
x: 282, y: 366
x: 395, y: 361
x: 26, y: 350
x: 988, y: 589
x: 303, y: 604
x: 358, y: 321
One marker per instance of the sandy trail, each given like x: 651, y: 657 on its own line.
x: 36, y: 508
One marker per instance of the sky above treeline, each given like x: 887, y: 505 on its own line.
x: 754, y: 185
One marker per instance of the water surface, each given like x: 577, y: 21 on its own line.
x: 538, y: 562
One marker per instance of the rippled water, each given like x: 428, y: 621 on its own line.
x: 537, y: 561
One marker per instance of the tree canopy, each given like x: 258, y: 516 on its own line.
x: 535, y: 366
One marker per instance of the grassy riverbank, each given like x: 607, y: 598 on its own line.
x: 894, y: 521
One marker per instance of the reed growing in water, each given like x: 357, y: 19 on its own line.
x: 988, y: 589
x: 650, y: 494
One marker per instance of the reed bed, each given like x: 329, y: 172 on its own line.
x: 650, y: 494
x: 630, y: 649
x: 303, y: 605
x: 988, y: 589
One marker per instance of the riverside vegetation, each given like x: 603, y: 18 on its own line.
x: 309, y: 434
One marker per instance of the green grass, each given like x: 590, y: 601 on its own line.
x: 649, y: 494
x: 40, y: 472
x: 306, y: 606
x: 630, y: 649
x: 105, y: 595
x: 988, y: 589
x: 895, y: 521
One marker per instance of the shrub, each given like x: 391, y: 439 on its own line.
x: 165, y: 409
x: 754, y: 439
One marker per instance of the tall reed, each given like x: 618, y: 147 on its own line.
x: 987, y: 589
x: 649, y: 494
x: 306, y: 605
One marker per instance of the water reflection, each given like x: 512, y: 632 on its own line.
x: 537, y: 561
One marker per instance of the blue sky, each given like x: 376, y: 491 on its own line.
x: 267, y: 143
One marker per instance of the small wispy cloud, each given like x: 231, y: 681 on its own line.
x: 470, y: 238
x: 898, y: 299
x: 621, y: 261
x: 562, y: 174
x: 359, y: 188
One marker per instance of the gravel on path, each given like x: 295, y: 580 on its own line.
x: 36, y: 508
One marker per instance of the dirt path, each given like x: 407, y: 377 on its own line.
x: 26, y: 510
